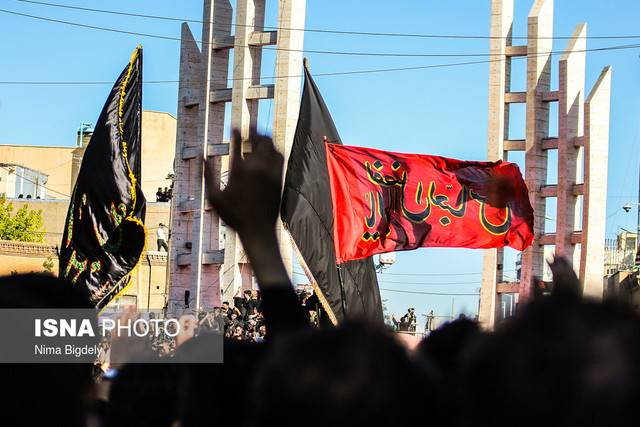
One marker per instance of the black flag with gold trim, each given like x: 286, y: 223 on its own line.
x: 104, y: 235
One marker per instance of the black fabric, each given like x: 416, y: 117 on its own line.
x: 104, y: 235
x: 307, y: 212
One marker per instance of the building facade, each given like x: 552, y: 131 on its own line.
x: 48, y: 175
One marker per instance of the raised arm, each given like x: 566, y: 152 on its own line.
x: 250, y: 204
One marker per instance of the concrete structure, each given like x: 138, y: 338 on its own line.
x: 199, y: 247
x: 620, y: 253
x: 52, y: 161
x: 54, y: 214
x: 61, y: 164
x: 17, y: 181
x: 580, y: 127
x: 148, y: 286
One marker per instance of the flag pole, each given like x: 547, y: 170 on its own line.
x: 342, y: 294
x: 314, y: 284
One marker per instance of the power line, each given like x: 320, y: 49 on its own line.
x: 421, y: 283
x: 477, y: 283
x: 428, y: 293
x: 308, y: 51
x: 319, y: 30
x: 438, y: 274
x: 327, y: 74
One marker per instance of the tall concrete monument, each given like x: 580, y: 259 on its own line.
x: 581, y: 146
x: 206, y: 262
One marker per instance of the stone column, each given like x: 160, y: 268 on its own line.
x: 539, y: 46
x: 498, y: 129
x: 195, y: 252
x: 570, y: 130
x: 287, y: 93
x: 247, y: 59
x: 186, y: 136
x: 596, y: 147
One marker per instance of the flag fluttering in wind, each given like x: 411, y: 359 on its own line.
x: 384, y: 201
x: 104, y: 234
x: 307, y: 213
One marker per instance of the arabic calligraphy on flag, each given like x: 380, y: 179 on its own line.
x: 386, y: 201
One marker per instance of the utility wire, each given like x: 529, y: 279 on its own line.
x: 428, y: 293
x: 419, y: 283
x: 355, y: 72
x: 319, y: 30
x: 308, y: 51
x: 438, y: 274
x: 327, y: 74
x: 477, y: 283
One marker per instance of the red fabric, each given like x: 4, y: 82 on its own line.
x: 385, y: 202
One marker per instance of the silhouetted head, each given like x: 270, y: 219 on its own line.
x: 445, y: 346
x: 559, y: 362
x: 145, y: 394
x: 352, y: 375
x: 54, y: 394
x: 213, y: 389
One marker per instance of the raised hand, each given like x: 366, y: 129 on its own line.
x: 250, y: 204
x: 251, y: 200
x: 565, y: 280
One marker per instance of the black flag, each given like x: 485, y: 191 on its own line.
x: 104, y: 235
x: 307, y: 212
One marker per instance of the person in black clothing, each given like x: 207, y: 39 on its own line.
x: 254, y: 303
x: 243, y: 304
x: 44, y: 394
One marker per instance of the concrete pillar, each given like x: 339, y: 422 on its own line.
x: 206, y: 262
x: 498, y: 129
x: 570, y: 128
x: 539, y: 46
x: 286, y: 103
x: 244, y: 117
x: 196, y: 251
x: 186, y: 136
x: 596, y: 147
x: 195, y: 245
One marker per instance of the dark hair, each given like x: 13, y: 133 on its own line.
x: 57, y: 393
x: 559, y: 362
x: 206, y: 387
x: 357, y: 374
x: 145, y: 394
x: 445, y: 346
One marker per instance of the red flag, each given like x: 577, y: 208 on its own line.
x: 385, y: 202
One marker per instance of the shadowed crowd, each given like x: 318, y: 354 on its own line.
x: 560, y: 361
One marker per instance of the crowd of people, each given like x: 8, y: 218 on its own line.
x: 241, y: 321
x: 560, y: 361
x: 407, y: 323
x: 164, y: 195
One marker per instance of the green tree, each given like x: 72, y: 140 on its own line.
x: 25, y: 225
x: 48, y: 264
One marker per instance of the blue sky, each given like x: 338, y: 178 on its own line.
x: 439, y: 111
